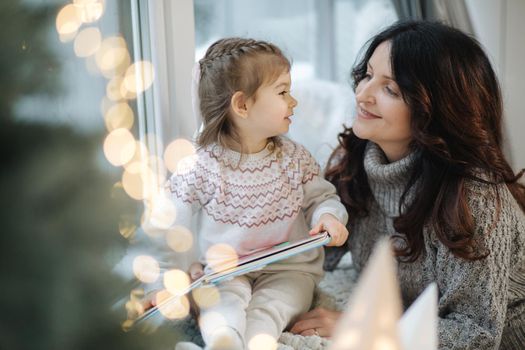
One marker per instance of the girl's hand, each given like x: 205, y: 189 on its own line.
x: 336, y: 229
x: 319, y: 321
x: 196, y: 271
x: 149, y: 300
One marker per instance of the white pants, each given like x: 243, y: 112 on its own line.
x: 259, y: 303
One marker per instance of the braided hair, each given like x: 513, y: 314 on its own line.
x: 231, y: 65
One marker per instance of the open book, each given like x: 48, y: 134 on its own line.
x: 244, y: 265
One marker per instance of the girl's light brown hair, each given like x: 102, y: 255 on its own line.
x: 231, y: 65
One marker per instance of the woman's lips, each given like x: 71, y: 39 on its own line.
x: 362, y: 113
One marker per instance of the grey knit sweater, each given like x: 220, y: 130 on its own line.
x: 481, y: 303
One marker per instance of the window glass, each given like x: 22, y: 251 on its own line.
x: 322, y: 38
x: 65, y: 214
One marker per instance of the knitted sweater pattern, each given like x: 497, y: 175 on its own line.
x: 481, y: 303
x: 254, y: 201
x: 248, y: 191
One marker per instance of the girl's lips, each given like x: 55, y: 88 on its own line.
x: 362, y: 113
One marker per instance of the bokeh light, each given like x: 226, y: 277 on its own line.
x: 134, y: 184
x: 113, y: 88
x: 214, y: 318
x: 146, y: 268
x: 139, y: 76
x: 119, y: 116
x: 179, y: 238
x: 113, y: 57
x: 68, y: 21
x: 139, y: 160
x: 262, y: 342
x: 177, y: 150
x: 134, y: 309
x: 176, y: 281
x: 91, y: 66
x: 89, y: 10
x: 176, y: 308
x: 350, y: 339
x: 206, y: 296
x: 119, y: 146
x: 384, y: 342
x: 127, y: 227
x: 162, y: 212
x: 221, y: 256
x: 87, y: 42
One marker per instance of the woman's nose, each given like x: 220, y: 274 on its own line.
x: 364, y: 93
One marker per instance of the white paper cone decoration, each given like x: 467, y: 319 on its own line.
x: 370, y: 321
x: 418, y: 326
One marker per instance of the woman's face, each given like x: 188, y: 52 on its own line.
x: 382, y: 115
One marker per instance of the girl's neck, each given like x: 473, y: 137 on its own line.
x: 248, y: 146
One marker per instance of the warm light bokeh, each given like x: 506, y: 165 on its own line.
x: 126, y: 226
x: 206, y: 296
x: 178, y: 307
x: 221, y: 256
x: 162, y: 212
x: 113, y: 88
x: 385, y: 343
x: 113, y: 57
x: 176, y: 281
x: 68, y: 21
x: 179, y: 238
x: 119, y: 146
x: 134, y: 184
x: 87, y: 42
x: 177, y: 150
x: 90, y: 10
x: 139, y: 76
x: 146, y: 268
x: 262, y: 342
x: 119, y: 116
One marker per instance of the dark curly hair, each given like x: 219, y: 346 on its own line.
x: 456, y: 111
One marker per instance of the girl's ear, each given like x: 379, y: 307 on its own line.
x: 238, y: 104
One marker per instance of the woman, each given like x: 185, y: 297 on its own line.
x: 423, y: 164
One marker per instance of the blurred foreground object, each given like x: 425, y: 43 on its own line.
x: 371, y: 320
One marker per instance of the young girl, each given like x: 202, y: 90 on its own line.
x: 250, y: 187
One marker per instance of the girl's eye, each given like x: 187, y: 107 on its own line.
x: 283, y: 93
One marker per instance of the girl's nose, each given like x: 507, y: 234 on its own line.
x: 293, y: 102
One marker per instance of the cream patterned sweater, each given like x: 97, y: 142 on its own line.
x: 254, y: 201
x: 481, y: 303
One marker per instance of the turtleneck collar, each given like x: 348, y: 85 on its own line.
x: 387, y: 180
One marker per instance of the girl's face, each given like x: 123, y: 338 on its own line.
x: 383, y: 117
x: 270, y: 110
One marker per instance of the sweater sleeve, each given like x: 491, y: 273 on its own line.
x: 171, y: 223
x: 319, y: 195
x: 473, y: 294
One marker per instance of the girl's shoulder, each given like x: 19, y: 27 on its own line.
x: 293, y: 149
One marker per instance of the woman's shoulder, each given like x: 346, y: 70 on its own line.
x: 496, y: 214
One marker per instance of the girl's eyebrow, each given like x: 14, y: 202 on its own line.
x: 282, y: 85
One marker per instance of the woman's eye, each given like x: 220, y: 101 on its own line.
x: 391, y: 91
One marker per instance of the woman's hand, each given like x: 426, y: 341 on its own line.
x: 319, y: 321
x: 335, y: 228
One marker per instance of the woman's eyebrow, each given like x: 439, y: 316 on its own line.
x: 384, y: 76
